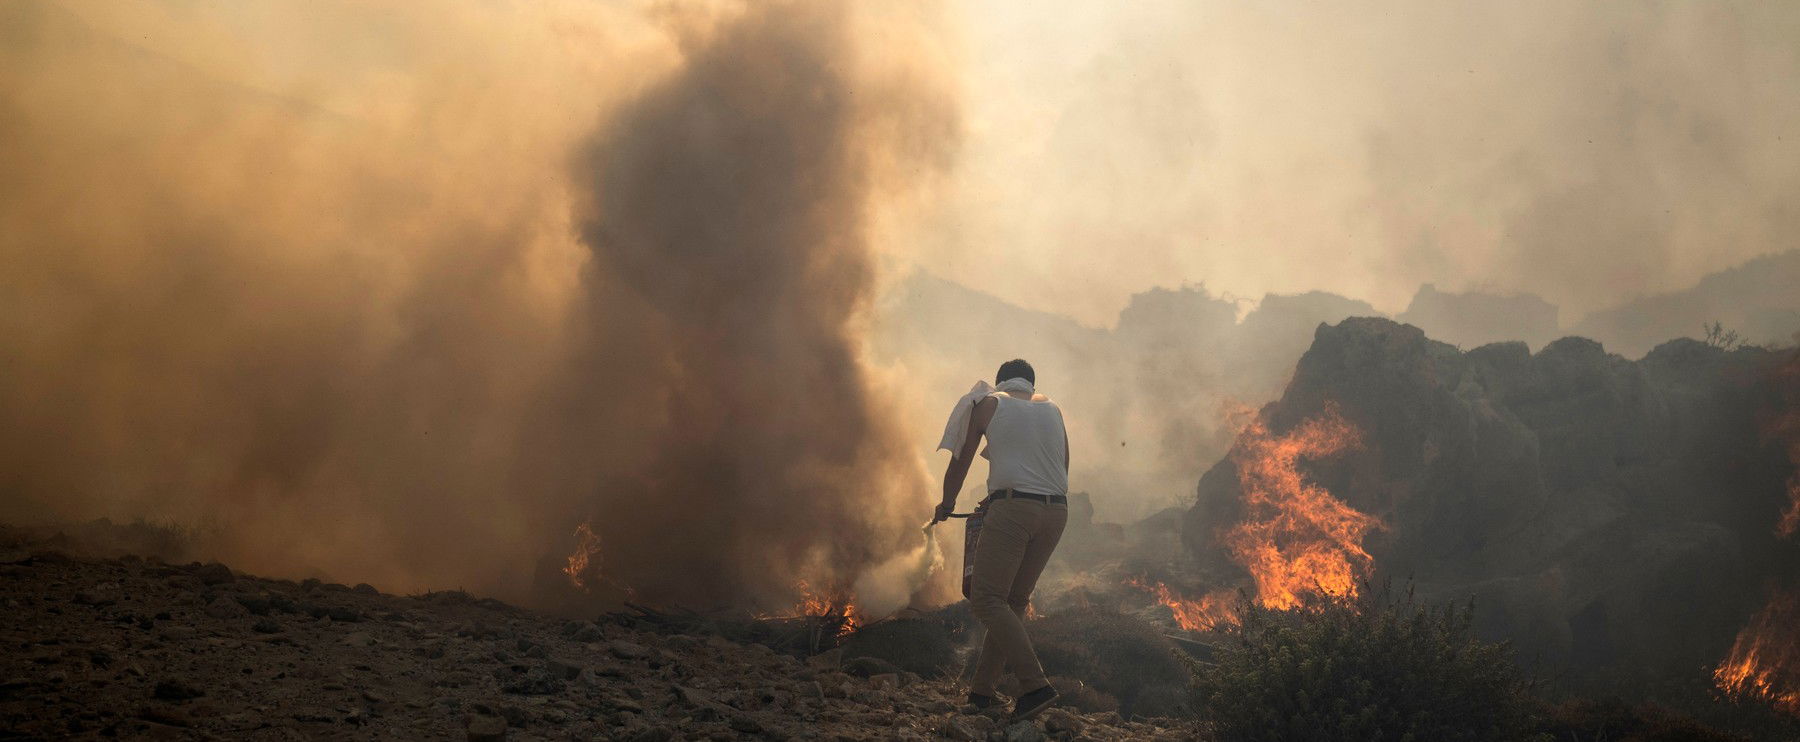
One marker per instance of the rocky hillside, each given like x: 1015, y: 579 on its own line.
x: 139, y: 649
x: 1605, y: 514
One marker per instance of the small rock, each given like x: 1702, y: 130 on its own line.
x: 515, y: 716
x: 178, y: 633
x: 746, y: 723
x: 658, y: 733
x: 103, y: 594
x: 257, y: 605
x: 359, y: 639
x: 1061, y: 721
x: 691, y: 696
x: 1024, y: 731
x: 226, y: 609
x: 175, y: 690
x: 365, y: 589
x: 588, y: 633
x: 483, y: 728
x: 163, y: 715
x: 214, y: 574
x: 535, y: 683
x: 562, y: 670
x: 864, y: 667
x: 265, y: 626
x: 885, y: 680
x: 626, y: 650
x: 968, y: 728
x: 14, y: 556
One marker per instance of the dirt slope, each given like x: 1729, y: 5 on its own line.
x: 135, y: 648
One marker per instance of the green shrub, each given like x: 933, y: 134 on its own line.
x: 1377, y: 668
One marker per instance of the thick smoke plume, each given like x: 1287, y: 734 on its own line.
x: 727, y: 208
x: 405, y: 295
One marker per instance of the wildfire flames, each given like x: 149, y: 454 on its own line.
x: 1209, y: 612
x: 1296, y: 538
x: 584, y: 562
x: 828, y: 604
x: 1764, y: 664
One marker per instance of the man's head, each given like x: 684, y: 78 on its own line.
x: 1016, y: 368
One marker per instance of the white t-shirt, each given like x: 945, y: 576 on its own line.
x: 1027, y: 447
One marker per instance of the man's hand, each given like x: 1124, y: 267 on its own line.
x: 943, y: 511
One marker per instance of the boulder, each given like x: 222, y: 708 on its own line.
x: 1596, y: 508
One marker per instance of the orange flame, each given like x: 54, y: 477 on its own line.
x: 584, y: 562
x: 1296, y: 538
x: 824, y: 604
x: 1764, y: 664
x: 1209, y: 612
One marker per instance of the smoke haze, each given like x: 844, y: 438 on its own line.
x: 405, y: 294
x: 1583, y: 152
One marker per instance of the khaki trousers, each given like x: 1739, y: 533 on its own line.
x: 1016, y: 541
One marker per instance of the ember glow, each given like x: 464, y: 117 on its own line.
x: 1764, y: 664
x: 1209, y: 612
x: 824, y: 604
x: 584, y: 562
x: 1296, y: 537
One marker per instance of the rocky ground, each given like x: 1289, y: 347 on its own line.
x: 136, y: 648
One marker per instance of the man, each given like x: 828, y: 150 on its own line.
x: 1026, y: 508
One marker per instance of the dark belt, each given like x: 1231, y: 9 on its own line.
x: 1015, y: 494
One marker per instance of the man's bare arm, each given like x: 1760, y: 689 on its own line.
x: 959, y: 464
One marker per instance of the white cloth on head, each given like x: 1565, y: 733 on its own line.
x: 956, y: 430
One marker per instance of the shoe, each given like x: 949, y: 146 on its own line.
x: 978, y: 703
x: 1031, y: 703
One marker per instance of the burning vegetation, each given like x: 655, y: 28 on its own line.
x: 1296, y: 537
x: 1207, y: 613
x: 1764, y: 665
x: 584, y: 562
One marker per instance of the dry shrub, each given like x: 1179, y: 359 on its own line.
x: 1118, y: 654
x: 1617, y: 720
x: 914, y: 645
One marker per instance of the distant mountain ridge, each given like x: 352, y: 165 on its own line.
x: 1147, y: 399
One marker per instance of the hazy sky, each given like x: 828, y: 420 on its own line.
x: 1584, y: 151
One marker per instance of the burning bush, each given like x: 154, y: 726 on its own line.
x: 1118, y: 654
x: 1373, y: 668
